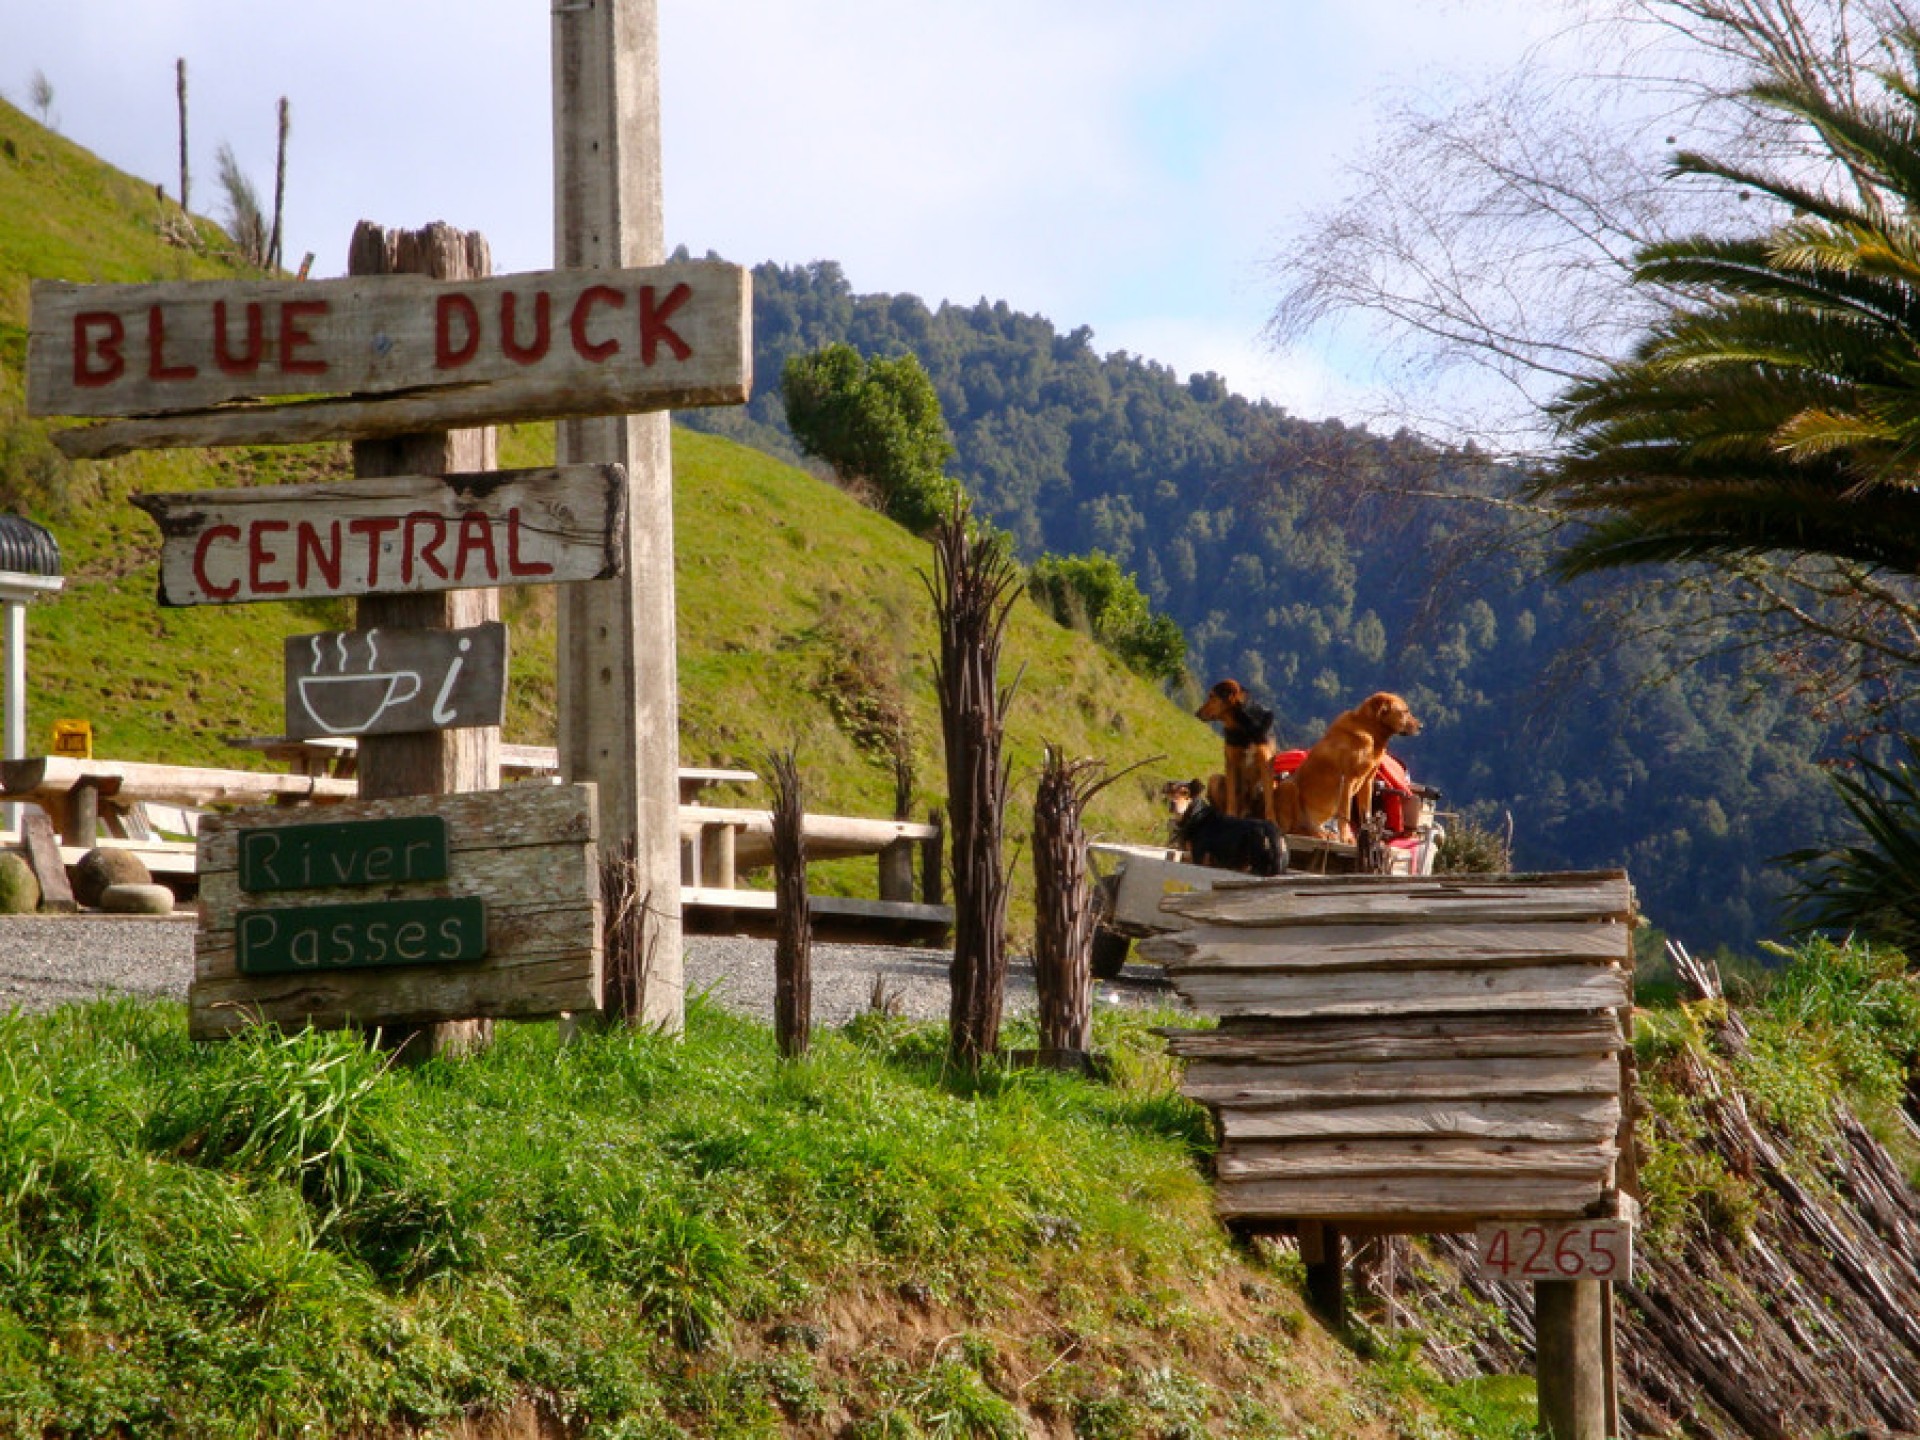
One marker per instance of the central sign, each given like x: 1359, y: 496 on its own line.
x: 400, y: 534
x: 381, y: 355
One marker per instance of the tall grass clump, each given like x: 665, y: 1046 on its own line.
x: 1839, y: 1023
x: 309, y: 1111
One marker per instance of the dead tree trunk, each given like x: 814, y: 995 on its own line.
x: 1063, y: 908
x: 974, y: 585
x: 280, y: 187
x: 793, y: 944
x: 434, y: 762
x: 180, y: 88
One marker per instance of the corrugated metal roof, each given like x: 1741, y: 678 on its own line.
x: 27, y: 548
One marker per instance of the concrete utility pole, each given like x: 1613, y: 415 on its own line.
x: 618, y: 682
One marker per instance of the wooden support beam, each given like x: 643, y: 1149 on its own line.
x: 618, y: 687
x: 1570, y: 1359
x: 428, y: 762
x: 1323, y: 1253
x: 43, y: 855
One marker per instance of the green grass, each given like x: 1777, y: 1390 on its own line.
x: 636, y: 1236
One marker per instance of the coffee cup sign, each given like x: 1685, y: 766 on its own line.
x: 390, y: 682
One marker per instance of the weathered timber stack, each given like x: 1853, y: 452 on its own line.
x: 1410, y: 1054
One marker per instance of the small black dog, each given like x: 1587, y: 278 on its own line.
x: 1224, y: 842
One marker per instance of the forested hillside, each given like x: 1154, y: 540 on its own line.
x: 1269, y: 539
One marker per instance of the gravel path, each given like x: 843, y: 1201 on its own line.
x: 55, y: 959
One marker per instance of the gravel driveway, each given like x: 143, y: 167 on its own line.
x: 51, y: 960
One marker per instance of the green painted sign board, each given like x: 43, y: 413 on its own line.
x: 376, y: 935
x: 395, y: 851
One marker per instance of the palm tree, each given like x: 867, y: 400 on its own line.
x: 1776, y: 412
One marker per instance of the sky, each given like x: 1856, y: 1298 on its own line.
x: 1129, y: 165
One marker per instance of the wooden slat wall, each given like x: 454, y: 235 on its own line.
x: 1409, y: 1053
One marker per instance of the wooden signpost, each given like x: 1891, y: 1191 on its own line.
x: 401, y: 534
x: 385, y: 355
x: 404, y: 356
x: 395, y: 682
x: 405, y: 911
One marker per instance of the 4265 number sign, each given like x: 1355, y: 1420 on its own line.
x: 1576, y: 1250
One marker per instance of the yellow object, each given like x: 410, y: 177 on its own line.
x: 74, y: 738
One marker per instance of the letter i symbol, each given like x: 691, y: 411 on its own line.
x: 441, y: 714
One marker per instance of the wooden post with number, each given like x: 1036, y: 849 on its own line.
x: 619, y: 694
x: 1572, y: 1369
x: 427, y: 762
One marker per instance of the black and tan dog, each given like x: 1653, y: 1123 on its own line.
x: 1247, y: 731
x: 1224, y: 842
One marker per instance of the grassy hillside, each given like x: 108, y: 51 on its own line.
x: 803, y: 617
x: 633, y: 1238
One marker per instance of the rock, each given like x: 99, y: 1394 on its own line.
x: 137, y: 900
x: 19, y: 890
x: 98, y: 869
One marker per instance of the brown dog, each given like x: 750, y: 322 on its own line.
x: 1247, y: 731
x: 1339, y: 768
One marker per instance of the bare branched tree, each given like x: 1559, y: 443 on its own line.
x: 1486, y: 253
x: 40, y: 91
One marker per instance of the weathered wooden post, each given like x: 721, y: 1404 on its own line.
x: 1571, y: 1364
x: 619, y: 691
x: 425, y: 762
x: 793, y: 945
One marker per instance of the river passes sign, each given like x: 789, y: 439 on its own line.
x: 197, y: 362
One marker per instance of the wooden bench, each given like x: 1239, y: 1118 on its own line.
x: 339, y: 756
x: 837, y: 919
x: 717, y: 843
x: 83, y: 796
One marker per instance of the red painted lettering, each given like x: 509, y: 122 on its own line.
x: 208, y: 538
x: 448, y: 308
x: 113, y: 334
x: 324, y: 555
x: 294, y: 336
x: 654, y: 330
x: 542, y: 328
x: 373, y: 528
x: 476, y: 539
x: 259, y: 557
x: 428, y: 554
x: 248, y: 361
x: 515, y: 565
x: 577, y: 322
x: 157, y: 367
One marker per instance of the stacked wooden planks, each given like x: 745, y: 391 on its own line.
x: 1409, y: 1053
